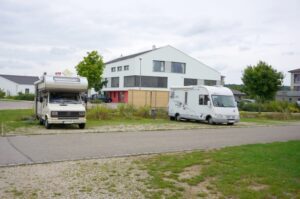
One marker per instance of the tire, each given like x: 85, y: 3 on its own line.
x: 47, y: 125
x: 81, y: 126
x: 177, y: 117
x: 210, y: 121
x: 172, y: 118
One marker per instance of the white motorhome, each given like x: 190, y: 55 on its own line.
x: 214, y: 104
x: 58, y: 100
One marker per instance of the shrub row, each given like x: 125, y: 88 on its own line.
x: 125, y: 111
x: 21, y: 96
x: 273, y: 106
x: 271, y: 115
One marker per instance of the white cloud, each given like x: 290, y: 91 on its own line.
x: 38, y: 36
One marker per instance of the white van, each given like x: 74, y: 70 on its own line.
x: 58, y: 100
x: 214, y: 104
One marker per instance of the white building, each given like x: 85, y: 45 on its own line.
x: 13, y: 84
x: 156, y: 70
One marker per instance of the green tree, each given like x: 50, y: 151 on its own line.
x: 2, y: 93
x: 92, y: 67
x: 262, y: 81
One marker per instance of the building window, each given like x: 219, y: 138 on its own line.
x: 126, y: 67
x: 119, y: 68
x: 113, y: 69
x: 115, y: 82
x: 189, y: 82
x: 297, y: 78
x: 146, y: 81
x: 158, y: 66
x: 177, y: 67
x: 210, y: 82
x: 26, y: 90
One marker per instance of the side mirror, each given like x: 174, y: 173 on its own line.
x: 85, y: 100
x: 41, y: 99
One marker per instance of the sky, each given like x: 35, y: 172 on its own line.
x: 39, y: 36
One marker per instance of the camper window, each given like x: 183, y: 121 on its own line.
x: 62, y: 97
x: 223, y: 101
x: 203, y: 99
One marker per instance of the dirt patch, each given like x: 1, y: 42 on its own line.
x: 258, y: 187
x: 190, y: 172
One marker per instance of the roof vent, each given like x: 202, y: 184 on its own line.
x: 153, y: 47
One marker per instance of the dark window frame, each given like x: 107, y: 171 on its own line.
x: 115, y: 84
x: 146, y: 81
x: 163, y: 66
x: 175, y: 70
x: 119, y: 68
x: 113, y: 69
x: 126, y: 67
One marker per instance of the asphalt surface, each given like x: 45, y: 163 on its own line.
x: 48, y: 148
x: 6, y: 104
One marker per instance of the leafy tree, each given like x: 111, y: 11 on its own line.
x: 92, y: 67
x: 262, y: 81
x: 2, y: 93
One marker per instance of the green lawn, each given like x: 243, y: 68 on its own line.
x: 12, y: 119
x: 266, y: 121
x: 250, y: 171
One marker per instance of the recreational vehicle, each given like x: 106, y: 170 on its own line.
x: 58, y: 100
x: 203, y: 103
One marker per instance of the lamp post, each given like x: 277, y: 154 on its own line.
x: 140, y: 84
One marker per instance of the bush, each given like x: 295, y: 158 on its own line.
x: 100, y: 113
x: 272, y: 106
x: 125, y: 110
x: 21, y: 96
x: 2, y: 93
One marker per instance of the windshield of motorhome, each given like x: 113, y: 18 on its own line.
x: 223, y: 101
x: 60, y: 97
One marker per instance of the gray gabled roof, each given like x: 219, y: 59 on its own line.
x: 21, y: 79
x: 296, y: 70
x: 129, y: 56
x: 237, y: 92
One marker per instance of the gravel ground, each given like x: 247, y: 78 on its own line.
x: 103, y: 178
x: 64, y: 129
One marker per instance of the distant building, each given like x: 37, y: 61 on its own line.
x: 13, y: 84
x: 293, y: 95
x: 144, y: 78
x: 238, y: 95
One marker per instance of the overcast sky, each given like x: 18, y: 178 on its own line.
x: 54, y: 35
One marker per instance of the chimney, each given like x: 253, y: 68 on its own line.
x: 153, y: 47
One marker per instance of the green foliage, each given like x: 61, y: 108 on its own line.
x: 268, y: 117
x: 2, y: 93
x: 262, y: 81
x: 272, y: 106
x: 21, y: 96
x: 92, y: 67
x: 124, y: 111
x: 100, y: 113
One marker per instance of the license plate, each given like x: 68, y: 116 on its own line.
x: 68, y: 122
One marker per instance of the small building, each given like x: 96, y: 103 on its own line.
x: 238, y: 95
x: 292, y: 95
x: 145, y: 78
x: 13, y: 84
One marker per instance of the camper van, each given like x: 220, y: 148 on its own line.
x: 59, y: 100
x: 214, y: 104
